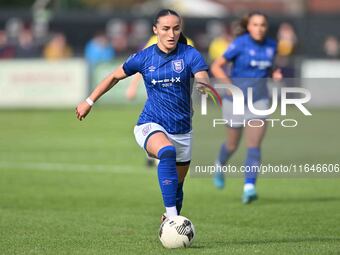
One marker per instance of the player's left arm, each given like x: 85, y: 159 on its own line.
x: 202, y: 80
x: 199, y: 69
x: 204, y: 86
x: 202, y: 75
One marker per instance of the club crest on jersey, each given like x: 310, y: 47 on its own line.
x: 178, y: 65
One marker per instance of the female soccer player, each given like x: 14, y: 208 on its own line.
x: 131, y: 91
x: 164, y: 126
x: 252, y: 56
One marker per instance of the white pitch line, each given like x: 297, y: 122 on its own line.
x: 69, y: 167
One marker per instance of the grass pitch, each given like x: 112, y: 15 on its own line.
x: 69, y: 187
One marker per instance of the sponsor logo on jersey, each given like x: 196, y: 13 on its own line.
x: 166, y: 82
x: 178, y: 65
x: 260, y: 64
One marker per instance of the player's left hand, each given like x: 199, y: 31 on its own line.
x: 201, y: 88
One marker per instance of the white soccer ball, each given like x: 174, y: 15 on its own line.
x: 176, y: 232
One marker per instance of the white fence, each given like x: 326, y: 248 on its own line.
x: 41, y: 83
x: 322, y: 79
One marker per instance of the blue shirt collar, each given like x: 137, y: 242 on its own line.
x: 163, y: 54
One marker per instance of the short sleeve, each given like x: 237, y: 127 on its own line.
x: 132, y: 65
x: 198, y: 63
x: 232, y: 51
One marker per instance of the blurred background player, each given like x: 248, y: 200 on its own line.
x: 286, y: 46
x: 331, y: 47
x: 57, y: 48
x: 26, y: 47
x: 98, y: 50
x: 6, y: 51
x: 220, y: 39
x: 164, y: 126
x: 252, y: 56
x: 131, y: 91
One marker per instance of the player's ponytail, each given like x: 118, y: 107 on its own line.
x: 182, y: 39
x: 242, y: 26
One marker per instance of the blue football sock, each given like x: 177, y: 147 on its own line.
x: 252, y: 165
x: 167, y: 175
x: 179, y: 197
x: 224, y: 155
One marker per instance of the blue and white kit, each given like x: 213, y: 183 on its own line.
x: 167, y: 78
x: 252, y: 65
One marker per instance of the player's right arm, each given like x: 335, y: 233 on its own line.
x: 84, y: 107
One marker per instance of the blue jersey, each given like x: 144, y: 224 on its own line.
x: 252, y: 64
x: 167, y: 81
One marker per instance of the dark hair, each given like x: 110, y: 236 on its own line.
x: 243, y: 23
x: 166, y: 12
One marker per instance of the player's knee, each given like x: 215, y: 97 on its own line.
x: 253, y: 143
x: 167, y: 165
x: 167, y: 152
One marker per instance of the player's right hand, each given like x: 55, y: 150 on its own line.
x: 82, y: 110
